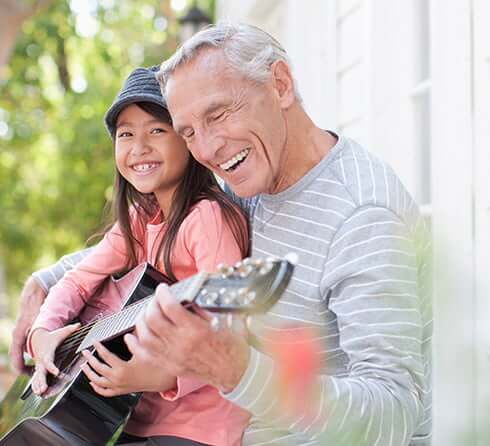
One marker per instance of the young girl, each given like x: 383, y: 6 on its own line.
x: 169, y: 211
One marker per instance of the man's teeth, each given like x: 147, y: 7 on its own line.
x: 236, y: 159
x: 144, y: 167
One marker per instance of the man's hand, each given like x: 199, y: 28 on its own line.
x: 31, y: 299
x: 186, y: 343
x: 114, y: 376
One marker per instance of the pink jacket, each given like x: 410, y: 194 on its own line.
x: 192, y: 410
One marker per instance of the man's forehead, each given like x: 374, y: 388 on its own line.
x: 202, y: 84
x: 207, y: 64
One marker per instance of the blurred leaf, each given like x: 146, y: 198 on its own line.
x: 56, y: 162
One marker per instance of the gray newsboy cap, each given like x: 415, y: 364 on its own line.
x: 140, y: 86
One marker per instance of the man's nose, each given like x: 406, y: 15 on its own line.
x: 207, y: 146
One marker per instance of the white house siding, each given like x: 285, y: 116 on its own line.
x: 481, y: 138
x: 417, y: 93
x: 452, y: 157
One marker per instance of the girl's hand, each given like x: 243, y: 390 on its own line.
x: 44, y: 344
x: 115, y: 376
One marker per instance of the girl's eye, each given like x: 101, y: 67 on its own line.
x: 157, y: 130
x: 124, y: 134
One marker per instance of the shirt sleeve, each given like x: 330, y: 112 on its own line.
x: 69, y: 295
x: 370, y: 283
x: 185, y: 385
x: 210, y: 241
x: 49, y: 276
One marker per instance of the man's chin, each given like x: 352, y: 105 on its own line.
x: 244, y: 190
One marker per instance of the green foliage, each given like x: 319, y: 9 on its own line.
x: 56, y: 165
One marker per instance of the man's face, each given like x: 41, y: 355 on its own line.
x: 233, y: 126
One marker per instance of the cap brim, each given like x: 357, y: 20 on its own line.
x: 111, y: 115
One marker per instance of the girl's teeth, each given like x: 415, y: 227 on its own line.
x: 143, y: 167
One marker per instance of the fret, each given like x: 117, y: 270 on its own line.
x: 120, y: 322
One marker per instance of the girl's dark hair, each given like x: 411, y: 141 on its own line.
x: 198, y: 183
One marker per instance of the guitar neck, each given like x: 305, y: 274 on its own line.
x: 125, y: 320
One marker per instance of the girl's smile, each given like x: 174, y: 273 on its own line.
x: 145, y: 168
x: 149, y: 154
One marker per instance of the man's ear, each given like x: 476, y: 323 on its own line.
x: 282, y: 82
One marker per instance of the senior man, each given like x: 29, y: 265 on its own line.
x: 362, y: 282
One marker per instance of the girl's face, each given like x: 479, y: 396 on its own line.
x: 149, y: 154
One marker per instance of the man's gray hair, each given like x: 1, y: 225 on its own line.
x: 247, y: 49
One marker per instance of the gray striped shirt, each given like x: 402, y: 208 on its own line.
x: 363, y: 285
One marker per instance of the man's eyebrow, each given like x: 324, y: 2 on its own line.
x: 213, y: 106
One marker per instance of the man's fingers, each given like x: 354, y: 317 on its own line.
x: 16, y: 354
x: 101, y: 368
x: 155, y: 320
x: 148, y: 332
x: 104, y: 391
x: 132, y: 343
x: 95, y: 377
x: 108, y: 357
x: 173, y: 310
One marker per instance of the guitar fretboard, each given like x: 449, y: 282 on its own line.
x: 125, y: 320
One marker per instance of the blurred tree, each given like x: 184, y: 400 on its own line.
x: 56, y: 164
x: 12, y: 14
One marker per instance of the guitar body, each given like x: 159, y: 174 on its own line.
x: 72, y: 413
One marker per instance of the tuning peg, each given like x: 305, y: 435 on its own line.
x: 266, y: 267
x: 215, y: 322
x: 225, y: 270
x: 292, y: 258
x: 248, y: 321
x: 245, y: 271
x: 250, y: 297
x: 230, y: 297
x: 249, y: 261
x: 210, y: 298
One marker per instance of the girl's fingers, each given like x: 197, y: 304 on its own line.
x: 67, y: 331
x: 38, y: 382
x: 51, y: 368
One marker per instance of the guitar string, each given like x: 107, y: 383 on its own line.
x: 74, y: 338
x: 74, y: 341
x: 77, y: 338
x: 83, y: 331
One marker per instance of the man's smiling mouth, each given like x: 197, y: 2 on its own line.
x: 233, y: 163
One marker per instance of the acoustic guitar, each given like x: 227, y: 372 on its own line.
x: 70, y: 412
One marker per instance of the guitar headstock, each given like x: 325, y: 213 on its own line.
x: 250, y: 286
